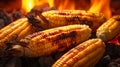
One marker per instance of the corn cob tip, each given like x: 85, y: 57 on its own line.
x: 117, y: 17
x: 16, y: 50
x: 109, y: 29
x: 102, y: 35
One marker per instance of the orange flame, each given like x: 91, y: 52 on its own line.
x: 40, y: 2
x: 67, y: 4
x: 27, y: 5
x: 101, y: 6
x: 97, y: 6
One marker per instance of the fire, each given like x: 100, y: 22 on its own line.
x: 58, y: 4
x: 41, y: 2
x: 101, y: 6
x: 97, y: 6
x: 67, y: 4
x: 27, y: 5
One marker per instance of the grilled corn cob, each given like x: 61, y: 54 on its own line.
x: 86, y: 54
x: 55, y: 18
x: 17, y: 29
x: 109, y: 29
x: 49, y: 41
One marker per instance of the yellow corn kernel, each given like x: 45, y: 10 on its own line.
x: 86, y: 54
x: 109, y: 29
x: 17, y: 29
x: 56, y: 18
x: 52, y: 40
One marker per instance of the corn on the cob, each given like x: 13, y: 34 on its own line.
x: 109, y: 29
x: 19, y: 28
x: 86, y: 54
x: 57, y: 18
x: 52, y: 40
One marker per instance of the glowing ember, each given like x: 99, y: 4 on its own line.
x: 116, y: 40
x: 101, y: 6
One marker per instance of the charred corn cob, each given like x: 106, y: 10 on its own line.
x: 52, y: 40
x: 55, y: 18
x: 17, y: 29
x: 86, y: 54
x: 109, y: 29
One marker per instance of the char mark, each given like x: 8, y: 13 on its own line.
x: 72, y: 34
